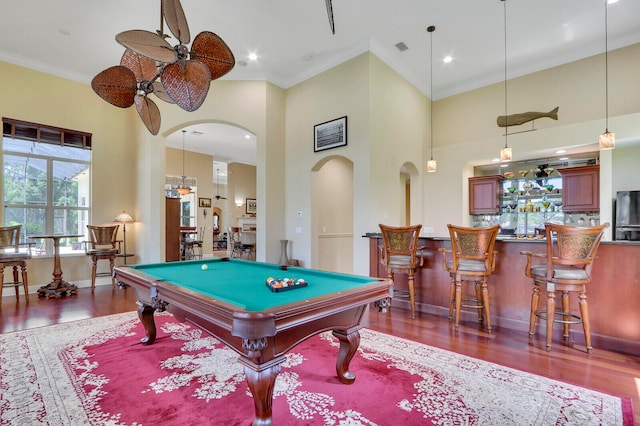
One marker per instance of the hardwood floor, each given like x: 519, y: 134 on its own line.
x: 606, y: 371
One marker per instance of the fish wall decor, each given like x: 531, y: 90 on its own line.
x: 525, y: 117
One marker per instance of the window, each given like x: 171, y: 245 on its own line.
x: 46, y: 188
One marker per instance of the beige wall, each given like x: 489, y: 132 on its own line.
x: 242, y: 185
x: 197, y: 166
x: 388, y: 130
x: 243, y: 104
x: 38, y: 97
x: 466, y: 134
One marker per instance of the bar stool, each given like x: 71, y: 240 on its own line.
x: 567, y: 268
x: 473, y: 259
x: 400, y: 253
x: 11, y: 257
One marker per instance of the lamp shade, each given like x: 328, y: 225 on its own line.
x: 124, y: 217
x: 431, y: 166
x: 506, y: 154
x: 607, y: 140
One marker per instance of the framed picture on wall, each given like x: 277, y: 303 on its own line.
x: 204, y: 202
x: 251, y: 206
x: 330, y: 134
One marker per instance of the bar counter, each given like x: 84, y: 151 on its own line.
x: 613, y: 295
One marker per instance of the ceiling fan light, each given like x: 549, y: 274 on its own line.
x: 607, y: 140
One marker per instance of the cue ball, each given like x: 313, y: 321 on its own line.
x: 204, y: 267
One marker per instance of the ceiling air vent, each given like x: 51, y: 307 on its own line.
x: 401, y: 46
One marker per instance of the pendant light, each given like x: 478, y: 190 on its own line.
x: 183, y: 189
x: 505, y: 153
x: 607, y: 140
x: 431, y: 164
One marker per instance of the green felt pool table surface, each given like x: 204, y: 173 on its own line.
x: 243, y: 283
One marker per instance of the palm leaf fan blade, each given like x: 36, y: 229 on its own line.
x: 212, y: 51
x: 143, y: 67
x: 148, y: 44
x: 159, y: 91
x: 187, y: 86
x: 116, y: 85
x: 149, y: 113
x: 176, y: 20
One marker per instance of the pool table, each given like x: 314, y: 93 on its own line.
x: 229, y: 298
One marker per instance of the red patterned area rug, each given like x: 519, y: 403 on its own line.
x: 95, y: 372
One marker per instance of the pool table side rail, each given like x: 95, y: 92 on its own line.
x: 231, y: 324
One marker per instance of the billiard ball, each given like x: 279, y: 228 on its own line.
x: 204, y: 267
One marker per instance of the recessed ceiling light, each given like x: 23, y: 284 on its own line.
x: 253, y: 56
x: 447, y: 59
x: 561, y: 151
x: 563, y: 158
x: 495, y: 160
x: 504, y: 165
x: 247, y: 136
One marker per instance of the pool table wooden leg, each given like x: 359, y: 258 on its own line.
x: 349, y: 342
x: 145, y: 314
x: 261, y: 380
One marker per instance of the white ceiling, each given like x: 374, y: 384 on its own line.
x: 292, y: 39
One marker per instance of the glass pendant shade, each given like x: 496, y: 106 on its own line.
x: 506, y: 154
x: 431, y: 166
x: 607, y: 140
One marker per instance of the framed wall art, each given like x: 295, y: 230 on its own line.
x: 331, y: 134
x: 251, y: 207
x: 204, y: 202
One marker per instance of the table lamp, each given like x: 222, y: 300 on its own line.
x: 124, y: 218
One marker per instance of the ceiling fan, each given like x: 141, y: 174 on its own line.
x: 175, y: 74
x: 330, y: 15
x: 218, y: 196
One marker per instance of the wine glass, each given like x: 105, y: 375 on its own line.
x: 549, y: 170
x: 546, y: 204
x: 513, y: 205
x: 557, y: 204
x: 512, y: 189
x: 523, y: 173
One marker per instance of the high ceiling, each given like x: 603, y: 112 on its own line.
x: 293, y: 41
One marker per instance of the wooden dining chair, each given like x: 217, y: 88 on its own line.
x: 102, y: 245
x: 473, y: 258
x: 11, y: 257
x: 400, y: 254
x: 565, y: 268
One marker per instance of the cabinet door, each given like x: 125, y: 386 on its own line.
x: 581, y: 189
x: 483, y: 194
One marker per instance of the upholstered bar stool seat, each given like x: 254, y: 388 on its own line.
x: 472, y: 259
x: 566, y: 269
x: 400, y: 254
